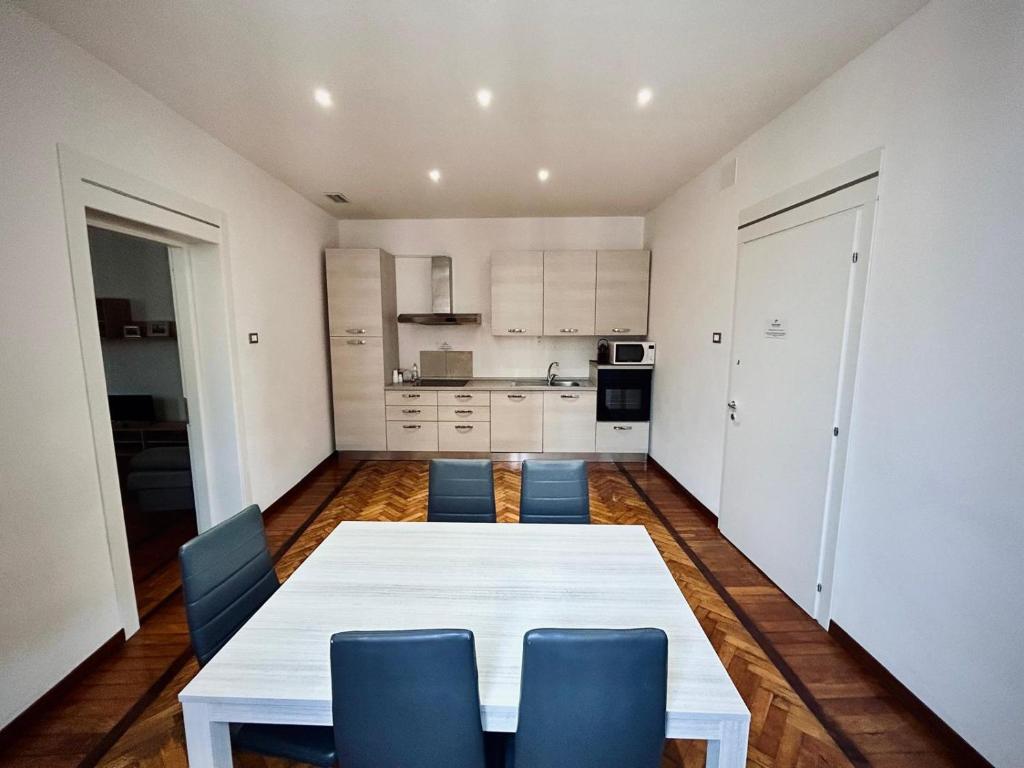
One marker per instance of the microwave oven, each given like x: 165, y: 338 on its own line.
x: 631, y: 353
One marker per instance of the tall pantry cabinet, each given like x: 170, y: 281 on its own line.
x: 362, y: 312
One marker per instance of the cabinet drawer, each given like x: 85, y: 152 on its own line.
x: 622, y: 437
x: 463, y: 413
x: 517, y: 422
x: 468, y: 436
x: 411, y: 412
x: 401, y: 397
x: 464, y: 398
x: 570, y: 420
x: 412, y: 436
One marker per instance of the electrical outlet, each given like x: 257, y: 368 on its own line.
x: 254, y: 338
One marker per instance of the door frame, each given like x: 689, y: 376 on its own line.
x: 98, y: 194
x: 852, y: 185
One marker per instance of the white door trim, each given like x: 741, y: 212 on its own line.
x: 853, y: 185
x: 92, y: 189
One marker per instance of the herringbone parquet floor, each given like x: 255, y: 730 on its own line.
x: 783, y: 731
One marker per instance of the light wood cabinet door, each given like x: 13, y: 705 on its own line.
x: 622, y: 437
x: 569, y: 292
x: 354, y: 299
x: 623, y: 290
x: 517, y: 293
x: 357, y: 380
x: 517, y: 422
x: 570, y: 422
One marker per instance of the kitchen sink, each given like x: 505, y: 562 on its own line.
x: 544, y: 383
x: 564, y: 383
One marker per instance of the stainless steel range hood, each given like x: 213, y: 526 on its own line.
x: 441, y: 299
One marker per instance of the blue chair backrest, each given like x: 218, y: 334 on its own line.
x: 554, y: 492
x: 406, y: 699
x: 226, y: 575
x: 461, y: 491
x: 593, y: 697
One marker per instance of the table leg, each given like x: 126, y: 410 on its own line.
x: 730, y: 750
x: 208, y: 741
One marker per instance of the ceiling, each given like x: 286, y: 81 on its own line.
x: 404, y: 73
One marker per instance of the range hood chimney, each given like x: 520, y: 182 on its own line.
x: 441, y: 299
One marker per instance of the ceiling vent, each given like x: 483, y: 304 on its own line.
x: 336, y: 198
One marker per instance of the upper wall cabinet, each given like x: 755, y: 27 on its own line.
x: 517, y: 293
x: 354, y: 279
x: 569, y: 292
x: 623, y: 286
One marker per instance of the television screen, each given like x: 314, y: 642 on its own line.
x: 131, y: 408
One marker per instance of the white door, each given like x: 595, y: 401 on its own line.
x: 793, y: 292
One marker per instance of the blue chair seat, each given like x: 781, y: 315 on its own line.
x: 461, y: 491
x: 313, y: 744
x: 554, y: 492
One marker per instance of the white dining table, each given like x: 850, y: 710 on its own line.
x: 499, y: 581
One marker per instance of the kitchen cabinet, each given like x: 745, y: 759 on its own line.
x: 622, y: 436
x: 517, y: 293
x: 517, y: 422
x: 570, y: 279
x: 412, y: 436
x: 570, y: 422
x: 354, y: 280
x: 357, y: 370
x: 623, y: 288
x: 464, y: 436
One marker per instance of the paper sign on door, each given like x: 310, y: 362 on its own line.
x: 775, y: 328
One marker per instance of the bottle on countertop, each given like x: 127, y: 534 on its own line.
x: 415, y: 372
x: 394, y: 376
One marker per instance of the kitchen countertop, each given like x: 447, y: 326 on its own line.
x: 523, y: 384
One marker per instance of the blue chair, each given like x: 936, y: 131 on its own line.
x: 461, y: 491
x: 406, y: 699
x: 554, y: 492
x: 591, y: 697
x: 226, y: 575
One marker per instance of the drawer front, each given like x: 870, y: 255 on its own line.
x: 467, y: 436
x: 463, y: 413
x: 401, y: 397
x: 570, y: 421
x: 464, y: 398
x: 622, y: 437
x: 517, y: 422
x: 412, y: 435
x: 411, y: 412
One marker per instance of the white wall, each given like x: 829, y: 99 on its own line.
x: 469, y: 242
x: 57, y: 604
x: 928, y: 569
x: 126, y: 267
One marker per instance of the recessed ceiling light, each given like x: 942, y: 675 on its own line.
x: 323, y: 97
x: 643, y: 96
x: 543, y: 174
x: 435, y: 175
x: 483, y: 97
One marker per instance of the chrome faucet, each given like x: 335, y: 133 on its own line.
x: 551, y: 375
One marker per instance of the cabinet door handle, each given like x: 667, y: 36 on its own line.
x: 411, y: 426
x: 622, y: 429
x: 463, y: 397
x: 356, y: 342
x: 569, y: 330
x: 355, y: 330
x: 463, y: 411
x: 517, y: 330
x: 411, y: 410
x: 570, y: 397
x: 516, y: 397
x: 410, y: 396
x: 463, y: 427
x: 620, y: 330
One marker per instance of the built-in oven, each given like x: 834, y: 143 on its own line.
x: 624, y: 393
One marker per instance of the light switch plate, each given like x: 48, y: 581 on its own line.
x: 716, y: 337
x: 254, y: 338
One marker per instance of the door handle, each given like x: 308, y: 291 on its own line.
x: 411, y: 410
x: 355, y: 330
x: 622, y: 429
x: 732, y: 405
x: 463, y: 427
x: 410, y: 396
x: 463, y: 411
x: 410, y: 426
x: 568, y: 330
x: 620, y: 330
x: 356, y: 342
x: 570, y: 397
x: 515, y: 397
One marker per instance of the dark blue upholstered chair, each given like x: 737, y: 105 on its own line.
x: 226, y: 575
x: 554, y: 492
x: 593, y: 697
x: 406, y: 699
x: 461, y: 491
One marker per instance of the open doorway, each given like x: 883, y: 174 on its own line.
x: 148, y: 409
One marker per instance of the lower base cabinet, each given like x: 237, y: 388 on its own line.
x: 622, y: 437
x: 464, y: 436
x: 412, y: 435
x: 517, y: 422
x: 570, y: 422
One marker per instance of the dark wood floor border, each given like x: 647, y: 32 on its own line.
x: 966, y: 755
x: 104, y: 745
x: 14, y: 728
x: 683, y: 490
x: 844, y: 742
